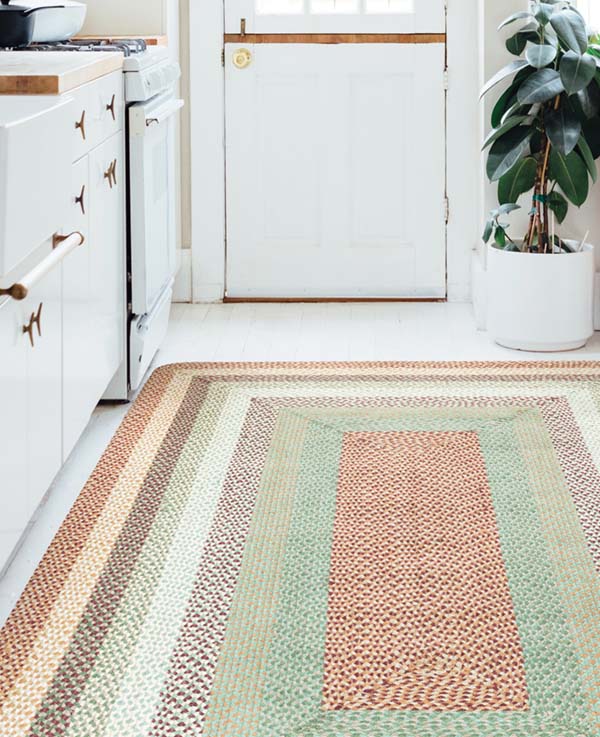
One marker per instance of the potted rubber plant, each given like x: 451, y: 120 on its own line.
x: 544, y: 143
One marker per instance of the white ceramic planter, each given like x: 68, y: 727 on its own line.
x: 541, y: 302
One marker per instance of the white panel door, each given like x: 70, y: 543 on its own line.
x: 335, y: 16
x: 336, y: 171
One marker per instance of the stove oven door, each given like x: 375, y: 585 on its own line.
x: 152, y: 199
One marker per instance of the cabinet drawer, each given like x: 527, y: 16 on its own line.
x: 80, y: 365
x: 107, y: 253
x: 98, y: 112
x: 84, y: 124
x: 44, y: 371
x: 31, y: 401
x: 111, y: 105
x: 13, y: 428
x: 35, y: 140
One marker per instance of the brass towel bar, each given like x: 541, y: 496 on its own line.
x: 62, y: 245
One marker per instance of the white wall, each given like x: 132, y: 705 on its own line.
x: 125, y: 17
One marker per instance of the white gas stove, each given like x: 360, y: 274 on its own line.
x: 149, y: 73
x: 149, y: 70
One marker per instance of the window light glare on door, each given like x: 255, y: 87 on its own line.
x: 390, y: 7
x: 334, y: 7
x: 318, y: 7
x: 280, y: 7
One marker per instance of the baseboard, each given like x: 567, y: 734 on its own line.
x: 182, y: 289
x: 480, y: 294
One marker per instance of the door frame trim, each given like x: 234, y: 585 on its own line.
x: 469, y: 22
x: 335, y: 38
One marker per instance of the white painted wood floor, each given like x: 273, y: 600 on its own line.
x: 272, y: 332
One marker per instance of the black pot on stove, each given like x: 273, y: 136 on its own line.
x: 16, y: 24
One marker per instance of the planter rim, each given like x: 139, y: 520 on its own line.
x: 587, y: 248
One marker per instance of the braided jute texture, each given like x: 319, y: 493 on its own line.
x: 326, y: 550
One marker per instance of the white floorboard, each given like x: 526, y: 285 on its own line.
x: 272, y: 332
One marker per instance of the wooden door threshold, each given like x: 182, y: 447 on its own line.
x: 327, y: 300
x: 335, y: 38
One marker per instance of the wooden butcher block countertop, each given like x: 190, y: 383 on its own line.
x: 52, y: 72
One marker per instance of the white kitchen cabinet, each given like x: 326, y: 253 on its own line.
x: 107, y: 234
x: 81, y: 374
x: 31, y: 399
x: 52, y: 376
x: 32, y: 178
x: 44, y: 386
x: 94, y: 278
x: 13, y: 426
x: 96, y: 113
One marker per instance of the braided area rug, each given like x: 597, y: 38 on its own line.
x: 326, y: 550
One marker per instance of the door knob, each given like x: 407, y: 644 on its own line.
x: 242, y: 58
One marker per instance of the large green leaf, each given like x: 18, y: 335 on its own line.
x: 591, y: 131
x: 500, y: 237
x: 516, y: 44
x: 512, y: 68
x: 588, y: 158
x: 576, y: 71
x: 520, y: 179
x: 558, y: 204
x: 571, y: 29
x: 540, y: 87
x: 563, y: 128
x: 543, y: 12
x: 521, y: 15
x: 509, y: 97
x: 539, y: 55
x: 504, y: 128
x: 588, y: 100
x: 517, y: 110
x: 571, y: 174
x: 504, y: 102
x: 488, y: 230
x: 506, y: 151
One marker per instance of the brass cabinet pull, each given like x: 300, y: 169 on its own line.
x: 111, y: 174
x: 108, y: 174
x: 28, y: 329
x: 37, y: 320
x: 80, y: 125
x: 80, y: 200
x: 111, y: 107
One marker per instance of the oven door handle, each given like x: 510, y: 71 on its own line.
x: 163, y: 113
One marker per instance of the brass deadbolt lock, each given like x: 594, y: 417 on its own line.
x: 242, y: 58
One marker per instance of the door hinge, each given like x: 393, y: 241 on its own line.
x: 446, y: 210
x: 446, y: 79
x: 223, y: 57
